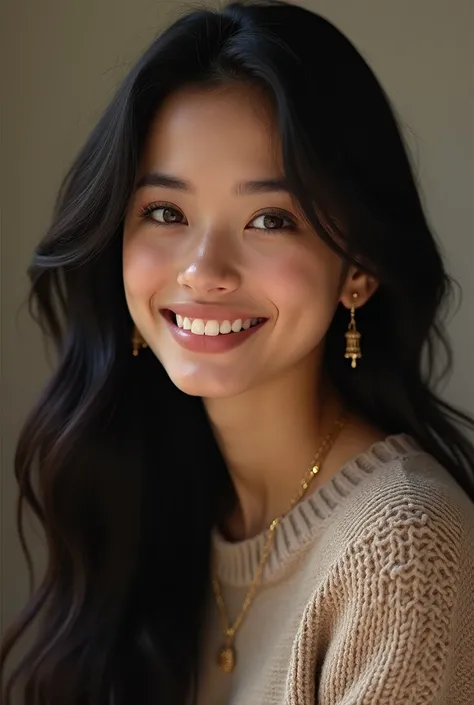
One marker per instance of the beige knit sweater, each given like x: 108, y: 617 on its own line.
x: 368, y: 596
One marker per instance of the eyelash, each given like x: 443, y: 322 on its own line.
x: 146, y: 211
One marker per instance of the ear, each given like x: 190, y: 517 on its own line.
x: 359, y: 283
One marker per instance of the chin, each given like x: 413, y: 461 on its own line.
x: 196, y: 383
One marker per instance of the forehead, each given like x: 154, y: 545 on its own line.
x: 226, y: 127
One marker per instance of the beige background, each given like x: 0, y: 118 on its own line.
x: 60, y: 62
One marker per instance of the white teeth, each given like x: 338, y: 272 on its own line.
x: 198, y: 327
x: 225, y: 327
x: 211, y: 328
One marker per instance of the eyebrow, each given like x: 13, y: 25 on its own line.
x: 246, y: 188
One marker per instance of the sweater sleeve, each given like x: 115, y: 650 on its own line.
x: 398, y: 611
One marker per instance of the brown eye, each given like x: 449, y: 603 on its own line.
x: 163, y: 215
x: 272, y: 221
x: 166, y: 215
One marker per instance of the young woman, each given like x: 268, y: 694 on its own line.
x: 250, y: 492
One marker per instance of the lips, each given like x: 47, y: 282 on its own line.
x: 214, y: 330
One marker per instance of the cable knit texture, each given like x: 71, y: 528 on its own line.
x: 367, y: 599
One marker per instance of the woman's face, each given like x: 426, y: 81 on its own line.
x: 211, y: 234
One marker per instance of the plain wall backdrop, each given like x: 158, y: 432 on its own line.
x: 60, y: 62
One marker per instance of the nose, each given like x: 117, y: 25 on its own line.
x: 210, y: 268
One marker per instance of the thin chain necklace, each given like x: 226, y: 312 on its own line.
x: 226, y: 657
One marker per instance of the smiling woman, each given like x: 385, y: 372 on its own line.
x: 250, y: 492
x: 213, y: 224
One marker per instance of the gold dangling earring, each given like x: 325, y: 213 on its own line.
x: 137, y: 342
x: 353, y: 351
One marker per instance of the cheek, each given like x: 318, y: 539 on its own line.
x: 304, y: 280
x: 146, y: 268
x: 304, y: 287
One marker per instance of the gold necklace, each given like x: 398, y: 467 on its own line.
x: 226, y: 657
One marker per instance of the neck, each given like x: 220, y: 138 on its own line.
x: 269, y: 437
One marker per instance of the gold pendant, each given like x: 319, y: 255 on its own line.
x: 226, y: 659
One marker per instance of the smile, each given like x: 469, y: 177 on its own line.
x: 216, y: 334
x: 199, y: 326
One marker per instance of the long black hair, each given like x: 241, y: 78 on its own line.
x: 121, y: 468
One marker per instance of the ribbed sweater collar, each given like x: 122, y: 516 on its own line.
x: 237, y: 562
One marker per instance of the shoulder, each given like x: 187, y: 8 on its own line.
x: 406, y: 520
x: 398, y: 592
x: 407, y: 493
x: 408, y: 537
